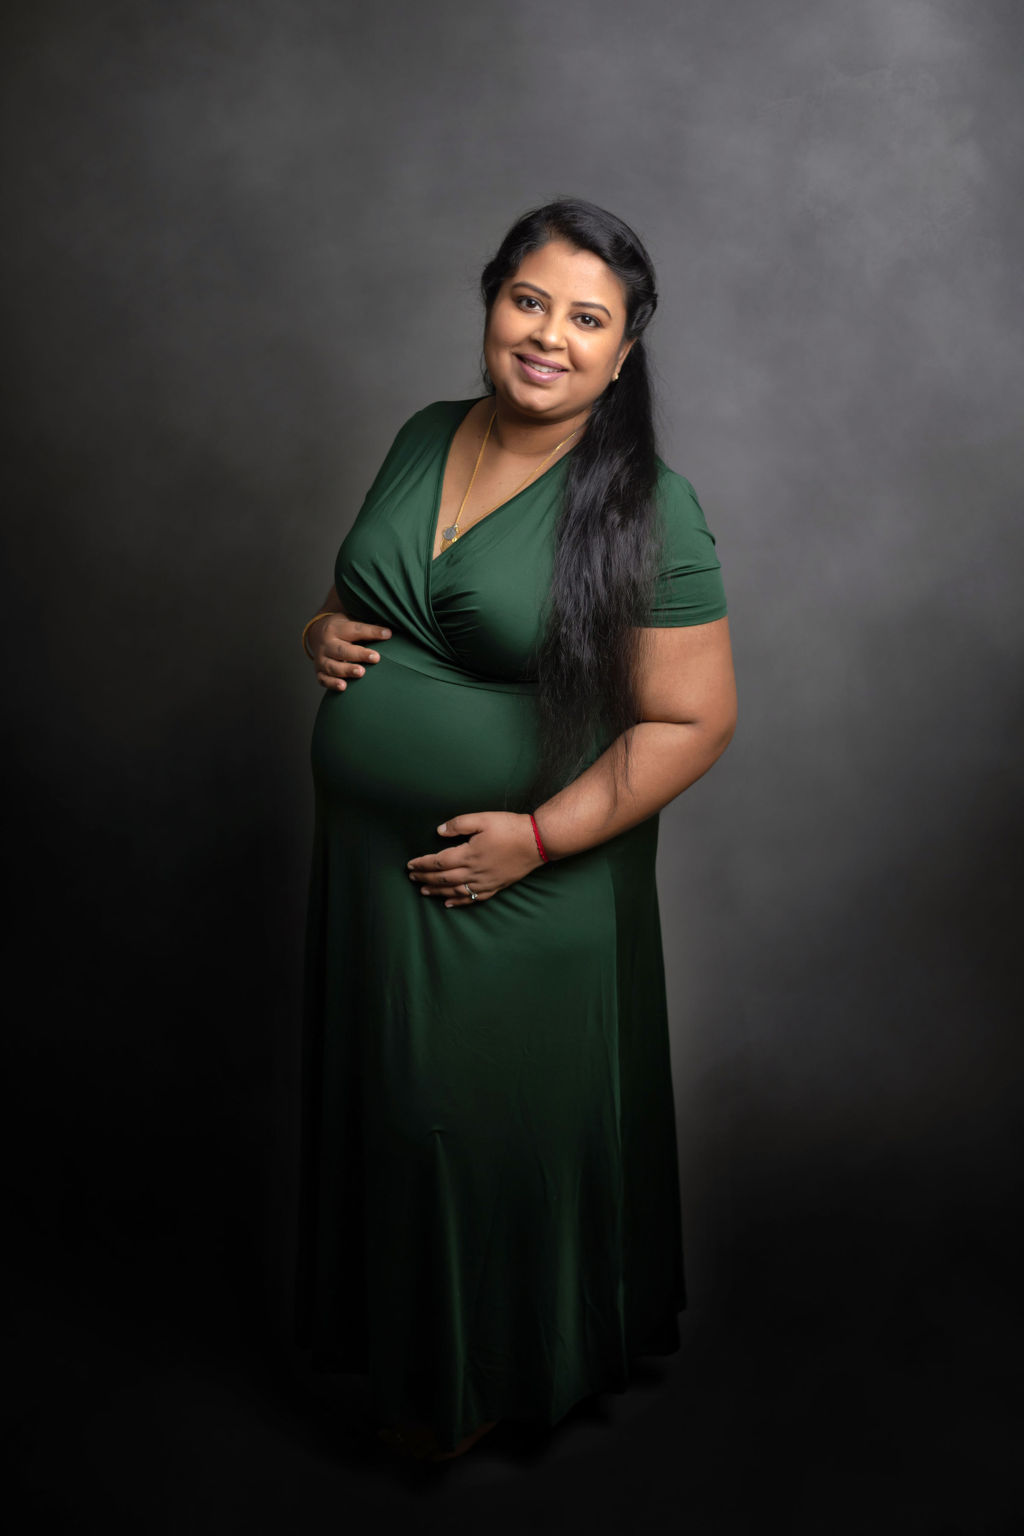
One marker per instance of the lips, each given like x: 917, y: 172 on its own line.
x: 538, y: 367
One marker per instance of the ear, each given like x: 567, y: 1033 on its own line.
x: 623, y: 354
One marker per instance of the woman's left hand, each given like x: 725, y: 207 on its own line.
x: 501, y: 849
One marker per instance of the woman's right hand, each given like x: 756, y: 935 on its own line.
x: 340, y: 649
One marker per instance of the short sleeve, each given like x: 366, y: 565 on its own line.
x: 688, y: 588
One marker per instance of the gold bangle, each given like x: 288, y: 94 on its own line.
x: 325, y: 615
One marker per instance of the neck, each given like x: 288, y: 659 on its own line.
x: 523, y: 435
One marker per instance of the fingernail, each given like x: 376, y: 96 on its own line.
x: 360, y: 671
x: 374, y: 656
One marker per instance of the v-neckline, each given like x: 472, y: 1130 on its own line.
x: 435, y: 515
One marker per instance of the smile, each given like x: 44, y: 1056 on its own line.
x: 537, y: 368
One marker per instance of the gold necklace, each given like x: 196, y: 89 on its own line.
x: 450, y: 534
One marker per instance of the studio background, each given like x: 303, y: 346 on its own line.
x: 242, y: 246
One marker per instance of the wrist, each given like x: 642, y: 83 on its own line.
x: 541, y: 850
x: 310, y: 627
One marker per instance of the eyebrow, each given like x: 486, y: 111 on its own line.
x: 579, y: 303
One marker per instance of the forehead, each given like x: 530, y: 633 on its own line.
x: 571, y: 275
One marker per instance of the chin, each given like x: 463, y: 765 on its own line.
x: 533, y: 400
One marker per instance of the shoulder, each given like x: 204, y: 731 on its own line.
x: 434, y: 420
x: 688, y: 586
x: 677, y: 499
x: 420, y: 438
x: 683, y: 523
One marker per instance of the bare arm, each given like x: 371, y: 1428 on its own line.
x: 688, y: 697
x: 688, y: 708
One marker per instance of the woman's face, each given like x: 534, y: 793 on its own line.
x: 554, y: 336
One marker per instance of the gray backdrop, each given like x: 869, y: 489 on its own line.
x: 242, y: 246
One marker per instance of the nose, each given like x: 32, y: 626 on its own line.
x: 548, y: 332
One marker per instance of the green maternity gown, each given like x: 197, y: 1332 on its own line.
x: 489, y: 1215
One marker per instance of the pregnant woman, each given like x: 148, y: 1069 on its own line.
x: 525, y: 656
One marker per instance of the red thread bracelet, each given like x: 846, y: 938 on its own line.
x: 540, y: 845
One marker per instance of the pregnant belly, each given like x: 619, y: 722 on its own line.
x: 411, y: 743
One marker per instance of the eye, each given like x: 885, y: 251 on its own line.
x: 527, y: 298
x: 593, y: 323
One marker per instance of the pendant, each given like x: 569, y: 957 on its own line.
x: 451, y: 534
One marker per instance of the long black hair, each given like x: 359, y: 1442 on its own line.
x: 607, y: 538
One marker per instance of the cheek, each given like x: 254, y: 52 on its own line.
x: 595, y: 352
x: 492, y: 338
x: 504, y: 328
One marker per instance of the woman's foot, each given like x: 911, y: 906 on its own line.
x: 465, y: 1443
x: 420, y: 1441
x: 412, y: 1439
